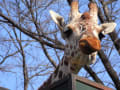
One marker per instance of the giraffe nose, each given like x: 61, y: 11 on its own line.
x: 89, y: 45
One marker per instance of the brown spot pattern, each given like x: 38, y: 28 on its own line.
x: 74, y: 47
x: 62, y: 63
x: 75, y: 64
x: 76, y: 51
x: 67, y: 46
x: 71, y: 46
x: 60, y: 74
x: 66, y: 62
x: 72, y: 68
x: 72, y: 54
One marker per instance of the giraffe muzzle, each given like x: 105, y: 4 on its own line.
x: 89, y: 45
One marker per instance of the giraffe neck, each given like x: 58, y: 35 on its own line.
x: 71, y: 62
x: 62, y: 70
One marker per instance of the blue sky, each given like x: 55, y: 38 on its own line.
x: 34, y: 54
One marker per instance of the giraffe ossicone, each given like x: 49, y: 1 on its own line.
x: 82, y: 40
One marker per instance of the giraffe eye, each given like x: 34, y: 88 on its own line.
x: 82, y: 28
x: 68, y: 32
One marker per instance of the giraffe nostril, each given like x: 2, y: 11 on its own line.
x: 68, y: 32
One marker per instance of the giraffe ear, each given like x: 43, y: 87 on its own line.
x: 107, y: 28
x: 59, y: 20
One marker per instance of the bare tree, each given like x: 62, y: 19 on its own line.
x: 31, y: 42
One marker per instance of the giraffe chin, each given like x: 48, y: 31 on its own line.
x: 89, y: 45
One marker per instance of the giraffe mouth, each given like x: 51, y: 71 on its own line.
x: 89, y: 45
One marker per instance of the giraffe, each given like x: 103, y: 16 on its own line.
x: 82, y: 40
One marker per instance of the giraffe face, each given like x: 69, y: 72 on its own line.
x: 79, y: 32
x: 83, y: 28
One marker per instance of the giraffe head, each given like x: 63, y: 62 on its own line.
x: 82, y: 29
x: 82, y: 40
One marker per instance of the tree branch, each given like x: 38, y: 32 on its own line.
x: 113, y: 35
x: 25, y: 71
x: 49, y: 58
x: 109, y: 69
x: 30, y: 34
x: 93, y: 74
